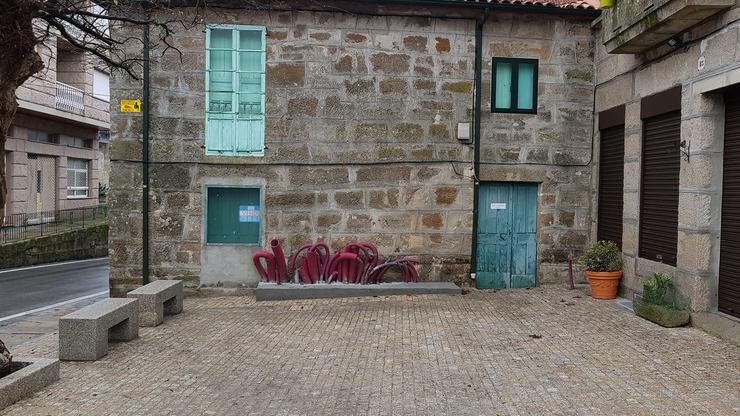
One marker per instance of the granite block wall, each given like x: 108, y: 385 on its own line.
x: 361, y: 143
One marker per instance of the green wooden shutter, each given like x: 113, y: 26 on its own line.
x: 220, y: 111
x: 525, y: 89
x: 233, y: 216
x: 251, y: 77
x: 503, y: 85
x: 235, y: 78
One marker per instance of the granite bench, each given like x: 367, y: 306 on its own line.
x: 156, y: 299
x: 84, y: 334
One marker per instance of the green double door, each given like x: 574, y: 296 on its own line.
x: 507, y: 235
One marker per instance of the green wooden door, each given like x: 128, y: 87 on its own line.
x: 233, y: 216
x: 507, y: 235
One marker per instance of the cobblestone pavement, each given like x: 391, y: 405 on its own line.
x: 529, y: 352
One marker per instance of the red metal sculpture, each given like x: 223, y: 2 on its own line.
x: 356, y: 263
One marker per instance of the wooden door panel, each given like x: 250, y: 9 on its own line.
x: 507, y: 235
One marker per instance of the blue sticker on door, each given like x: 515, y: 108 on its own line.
x: 249, y: 213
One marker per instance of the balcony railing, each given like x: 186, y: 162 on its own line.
x: 70, y: 99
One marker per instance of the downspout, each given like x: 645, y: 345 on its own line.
x: 145, y: 160
x: 477, y: 109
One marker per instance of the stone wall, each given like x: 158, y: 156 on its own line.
x: 362, y: 115
x: 372, y: 103
x: 79, y: 244
x: 626, y: 79
x: 553, y: 147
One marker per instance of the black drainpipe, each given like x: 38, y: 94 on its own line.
x: 145, y: 159
x: 477, y: 109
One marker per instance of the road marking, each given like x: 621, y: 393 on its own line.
x: 56, y: 305
x: 53, y: 264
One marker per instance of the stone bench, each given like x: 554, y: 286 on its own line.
x: 156, y: 299
x: 84, y: 334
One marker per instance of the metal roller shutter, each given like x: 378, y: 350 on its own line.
x: 611, y: 185
x: 729, y: 266
x: 661, y: 164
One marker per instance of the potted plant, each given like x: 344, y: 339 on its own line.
x: 661, y: 303
x: 603, y: 268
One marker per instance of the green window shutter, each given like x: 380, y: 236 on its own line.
x: 250, y: 126
x: 525, y: 89
x: 514, y: 88
x: 235, y: 79
x: 220, y: 135
x: 503, y: 86
x: 220, y: 69
x: 233, y: 216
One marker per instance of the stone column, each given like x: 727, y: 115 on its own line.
x: 631, y: 209
x: 700, y: 200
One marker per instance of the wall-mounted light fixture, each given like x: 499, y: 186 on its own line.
x: 675, y: 42
x: 685, y: 148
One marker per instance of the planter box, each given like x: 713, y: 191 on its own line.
x: 34, y: 375
x: 667, y: 317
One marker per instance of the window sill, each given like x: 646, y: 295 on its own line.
x: 219, y: 155
x: 235, y: 244
x: 79, y: 197
x: 512, y: 111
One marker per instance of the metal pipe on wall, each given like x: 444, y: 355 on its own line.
x: 145, y: 159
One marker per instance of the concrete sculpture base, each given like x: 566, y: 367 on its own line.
x: 291, y: 291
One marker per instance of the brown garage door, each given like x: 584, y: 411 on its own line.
x: 661, y: 165
x: 611, y: 183
x: 729, y: 267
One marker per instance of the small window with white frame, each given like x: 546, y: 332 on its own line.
x: 78, y: 183
x: 101, y: 85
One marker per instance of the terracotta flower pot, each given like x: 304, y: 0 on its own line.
x: 604, y: 284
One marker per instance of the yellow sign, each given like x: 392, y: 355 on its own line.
x: 130, y: 106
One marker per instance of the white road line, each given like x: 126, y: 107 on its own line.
x: 52, y: 265
x: 56, y: 305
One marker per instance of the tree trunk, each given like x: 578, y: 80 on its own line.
x: 19, y: 62
x: 5, y: 357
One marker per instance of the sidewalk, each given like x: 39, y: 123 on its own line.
x: 544, y: 351
x: 30, y: 327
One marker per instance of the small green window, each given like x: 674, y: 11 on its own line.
x: 235, y: 93
x: 514, y: 87
x: 233, y: 215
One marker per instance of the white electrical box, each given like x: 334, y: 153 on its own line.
x: 463, y: 133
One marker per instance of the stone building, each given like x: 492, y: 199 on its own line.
x: 667, y: 95
x: 356, y: 121
x: 490, y: 139
x: 57, y: 145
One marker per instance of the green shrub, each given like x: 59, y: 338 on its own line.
x: 103, y: 190
x: 660, y: 291
x: 605, y: 256
x: 662, y: 315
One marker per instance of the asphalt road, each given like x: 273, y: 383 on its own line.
x: 29, y: 288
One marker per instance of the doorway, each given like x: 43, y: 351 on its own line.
x: 506, y: 252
